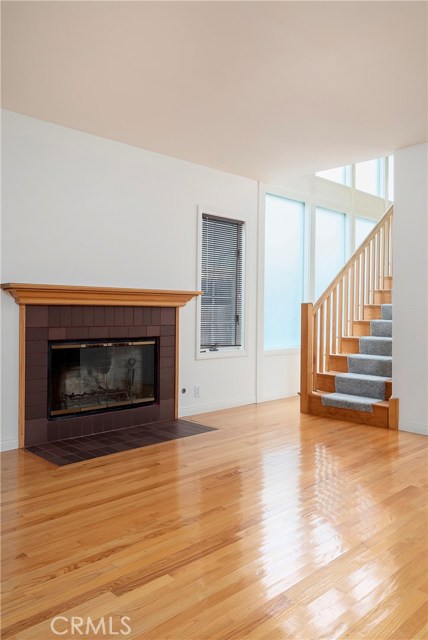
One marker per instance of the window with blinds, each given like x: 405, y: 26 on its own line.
x: 221, y: 302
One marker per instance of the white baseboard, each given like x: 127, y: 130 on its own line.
x: 411, y: 427
x: 9, y: 445
x: 270, y: 398
x: 215, y: 406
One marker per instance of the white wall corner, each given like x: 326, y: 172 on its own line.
x: 410, y: 287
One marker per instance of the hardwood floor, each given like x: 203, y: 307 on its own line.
x: 277, y: 525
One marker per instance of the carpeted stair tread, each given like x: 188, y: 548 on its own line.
x: 381, y: 328
x: 375, y: 345
x: 386, y: 311
x: 364, y: 376
x: 368, y: 356
x: 370, y: 364
x: 359, y: 384
x: 348, y: 401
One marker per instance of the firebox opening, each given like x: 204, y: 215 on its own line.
x: 98, y: 375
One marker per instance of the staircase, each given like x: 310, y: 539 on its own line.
x: 346, y: 368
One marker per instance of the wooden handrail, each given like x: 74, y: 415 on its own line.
x: 330, y: 320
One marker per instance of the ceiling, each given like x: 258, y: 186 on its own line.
x: 266, y: 90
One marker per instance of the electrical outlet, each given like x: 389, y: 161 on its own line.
x: 197, y: 391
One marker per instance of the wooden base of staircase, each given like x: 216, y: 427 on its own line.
x: 384, y: 414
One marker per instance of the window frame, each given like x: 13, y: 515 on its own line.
x: 223, y: 352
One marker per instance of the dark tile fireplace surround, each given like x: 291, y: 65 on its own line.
x: 47, y: 323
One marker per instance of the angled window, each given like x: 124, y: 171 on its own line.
x: 341, y: 175
x: 222, y: 283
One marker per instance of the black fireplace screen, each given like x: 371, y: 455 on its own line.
x: 95, y: 376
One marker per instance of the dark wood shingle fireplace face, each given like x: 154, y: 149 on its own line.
x: 95, y: 359
x: 76, y: 380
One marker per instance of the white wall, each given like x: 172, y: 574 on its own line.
x: 410, y: 294
x: 78, y: 209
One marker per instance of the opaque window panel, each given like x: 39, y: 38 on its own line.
x: 329, y: 247
x: 391, y: 178
x: 368, y: 177
x: 363, y: 226
x: 284, y: 270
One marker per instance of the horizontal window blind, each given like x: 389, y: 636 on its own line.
x: 221, y: 302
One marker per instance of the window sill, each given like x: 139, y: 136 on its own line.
x: 221, y: 353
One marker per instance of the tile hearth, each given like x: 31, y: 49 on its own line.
x: 64, y: 452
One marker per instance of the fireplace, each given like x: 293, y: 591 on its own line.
x: 114, y: 353
x: 97, y: 376
x: 90, y: 369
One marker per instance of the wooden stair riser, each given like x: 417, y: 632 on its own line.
x: 350, y: 345
x: 326, y: 382
x: 382, y: 296
x: 372, y: 312
x: 387, y: 282
x: 379, y: 417
x: 361, y: 328
x: 338, y: 363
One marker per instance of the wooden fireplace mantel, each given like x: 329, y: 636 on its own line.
x: 52, y: 294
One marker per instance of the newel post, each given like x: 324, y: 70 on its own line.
x: 306, y: 356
